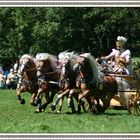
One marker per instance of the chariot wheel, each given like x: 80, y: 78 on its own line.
x: 134, y: 106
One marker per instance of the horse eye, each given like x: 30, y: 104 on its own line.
x: 26, y: 66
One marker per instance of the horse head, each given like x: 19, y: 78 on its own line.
x: 46, y: 64
x: 87, y: 68
x: 66, y: 62
x: 40, y: 69
x: 27, y: 64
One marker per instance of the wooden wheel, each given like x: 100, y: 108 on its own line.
x: 134, y: 107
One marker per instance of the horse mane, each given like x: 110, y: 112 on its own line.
x: 47, y: 57
x: 71, y: 56
x: 94, y: 67
x: 27, y: 56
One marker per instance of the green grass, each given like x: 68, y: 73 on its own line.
x: 18, y: 118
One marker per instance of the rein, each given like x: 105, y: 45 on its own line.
x: 81, y: 74
x: 126, y: 77
x: 31, y: 69
x: 50, y: 81
x: 81, y: 77
x: 49, y: 73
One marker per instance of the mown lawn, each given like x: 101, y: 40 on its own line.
x: 18, y: 118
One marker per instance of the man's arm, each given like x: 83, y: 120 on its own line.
x: 111, y: 55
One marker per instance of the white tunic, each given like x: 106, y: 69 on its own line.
x: 125, y: 54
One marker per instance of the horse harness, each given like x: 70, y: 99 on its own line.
x: 28, y: 84
x: 62, y: 83
x: 82, y: 80
x: 33, y: 84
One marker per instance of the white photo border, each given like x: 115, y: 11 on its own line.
x: 69, y: 3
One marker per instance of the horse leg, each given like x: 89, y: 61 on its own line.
x: 39, y: 98
x: 52, y: 96
x: 18, y: 93
x: 80, y: 101
x: 44, y: 106
x: 60, y: 104
x: 91, y: 103
x: 33, y: 99
x: 106, y: 101
x: 73, y: 93
x: 98, y: 108
x: 70, y: 97
x: 48, y: 100
x: 53, y: 106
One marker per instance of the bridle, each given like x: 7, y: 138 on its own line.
x: 42, y: 74
x: 78, y: 68
x: 25, y: 67
x: 65, y: 69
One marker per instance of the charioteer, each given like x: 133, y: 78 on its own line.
x: 120, y: 58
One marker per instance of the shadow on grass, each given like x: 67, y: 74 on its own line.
x: 114, y: 114
x: 117, y: 111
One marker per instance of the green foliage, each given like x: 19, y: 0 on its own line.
x: 136, y: 63
x: 18, y: 118
x: 34, y: 30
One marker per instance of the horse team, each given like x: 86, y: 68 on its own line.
x: 77, y: 77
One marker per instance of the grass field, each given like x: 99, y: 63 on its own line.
x: 18, y: 118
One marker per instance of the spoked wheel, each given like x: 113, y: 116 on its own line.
x: 135, y: 104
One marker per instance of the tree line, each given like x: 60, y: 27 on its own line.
x: 56, y: 29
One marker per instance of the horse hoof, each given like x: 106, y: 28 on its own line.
x: 73, y: 112
x: 33, y: 104
x: 69, y: 105
x: 42, y: 110
x: 53, y: 107
x: 78, y: 112
x: 22, y: 101
x: 58, y: 111
x: 82, y: 103
x: 38, y: 110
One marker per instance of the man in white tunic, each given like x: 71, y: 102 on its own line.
x: 121, y: 57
